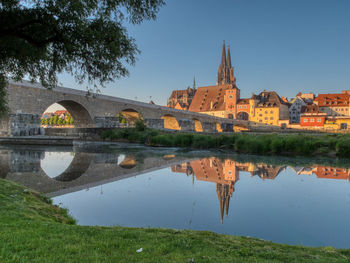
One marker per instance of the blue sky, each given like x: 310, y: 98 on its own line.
x: 282, y: 45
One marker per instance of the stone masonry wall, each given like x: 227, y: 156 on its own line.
x: 25, y: 125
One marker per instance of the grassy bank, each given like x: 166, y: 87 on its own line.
x: 267, y: 144
x: 33, y: 230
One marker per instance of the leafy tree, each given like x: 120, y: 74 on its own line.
x: 85, y: 38
x: 55, y: 120
x: 59, y: 121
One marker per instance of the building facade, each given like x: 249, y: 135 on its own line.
x: 181, y: 99
x: 295, y: 109
x: 268, y: 108
x: 333, y: 104
x: 311, y: 116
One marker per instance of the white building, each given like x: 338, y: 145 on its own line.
x: 295, y: 109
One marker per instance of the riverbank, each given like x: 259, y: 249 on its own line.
x: 33, y: 230
x: 328, y: 145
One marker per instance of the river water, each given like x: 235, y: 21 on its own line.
x: 286, y: 200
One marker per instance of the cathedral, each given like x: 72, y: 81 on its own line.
x: 219, y: 100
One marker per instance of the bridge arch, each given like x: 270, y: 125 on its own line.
x: 81, y: 116
x: 129, y: 116
x: 170, y: 122
x: 218, y: 127
x: 197, y: 125
x: 78, y: 166
x: 128, y: 162
x: 243, y: 115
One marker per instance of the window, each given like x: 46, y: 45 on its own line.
x: 230, y: 97
x: 260, y: 120
x: 260, y: 115
x: 239, y: 107
x: 271, y: 118
x: 271, y: 112
x: 266, y: 118
x: 312, y: 120
x: 266, y: 112
x: 305, y: 120
x: 318, y: 119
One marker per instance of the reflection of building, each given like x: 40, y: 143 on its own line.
x: 225, y: 174
x: 331, y: 172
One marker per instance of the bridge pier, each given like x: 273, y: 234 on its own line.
x: 21, y: 124
x: 106, y: 122
x: 209, y: 127
x: 187, y: 125
x: 154, y: 123
x: 227, y: 127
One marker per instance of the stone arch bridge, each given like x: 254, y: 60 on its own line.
x: 28, y: 101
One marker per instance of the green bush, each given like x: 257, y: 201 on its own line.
x: 140, y: 125
x: 343, y: 147
x: 277, y: 145
x: 162, y: 140
x: 183, y: 140
x: 203, y: 141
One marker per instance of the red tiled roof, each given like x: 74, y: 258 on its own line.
x: 205, y: 95
x: 333, y: 100
x: 311, y: 109
x: 60, y: 112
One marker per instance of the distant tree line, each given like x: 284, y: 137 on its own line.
x: 57, y: 121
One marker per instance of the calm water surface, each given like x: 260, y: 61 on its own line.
x: 292, y: 201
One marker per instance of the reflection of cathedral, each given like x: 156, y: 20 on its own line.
x: 225, y: 174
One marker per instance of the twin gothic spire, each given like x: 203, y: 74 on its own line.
x: 225, y: 71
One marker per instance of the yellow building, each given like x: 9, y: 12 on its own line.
x: 337, y: 123
x: 268, y: 108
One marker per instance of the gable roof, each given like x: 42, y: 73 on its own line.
x: 269, y: 99
x: 209, y: 96
x: 332, y: 100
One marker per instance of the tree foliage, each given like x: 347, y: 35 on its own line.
x: 86, y: 38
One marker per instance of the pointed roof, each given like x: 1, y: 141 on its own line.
x: 223, y: 55
x: 228, y: 58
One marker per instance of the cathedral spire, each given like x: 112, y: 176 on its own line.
x: 225, y: 71
x: 228, y: 58
x: 223, y: 55
x: 194, y: 83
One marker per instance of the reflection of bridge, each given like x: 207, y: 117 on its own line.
x: 27, y: 102
x: 85, y: 171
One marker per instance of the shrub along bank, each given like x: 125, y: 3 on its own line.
x: 34, y: 230
x: 267, y: 144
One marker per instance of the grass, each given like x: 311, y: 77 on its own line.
x: 267, y: 144
x: 33, y: 230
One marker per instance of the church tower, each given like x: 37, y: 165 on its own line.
x: 225, y: 71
